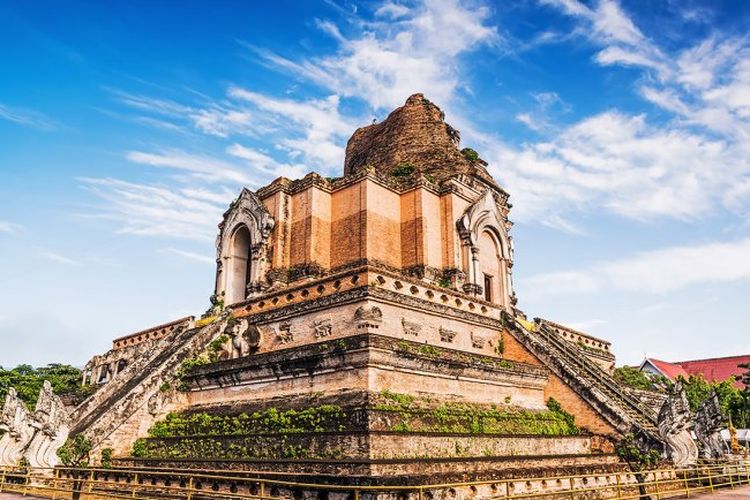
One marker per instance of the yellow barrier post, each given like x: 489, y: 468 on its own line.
x: 656, y: 481
x: 420, y: 493
x: 2, y: 479
x: 26, y: 482
x: 135, y: 485
x: 570, y: 484
x: 687, y: 484
x: 262, y: 489
x: 710, y: 480
x: 619, y: 491
x: 54, y: 484
x: 190, y: 489
x: 91, y: 481
x: 731, y: 481
x: 356, y: 494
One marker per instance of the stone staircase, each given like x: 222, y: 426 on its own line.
x: 141, y: 394
x: 618, y: 407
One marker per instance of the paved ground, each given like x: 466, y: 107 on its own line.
x: 737, y: 494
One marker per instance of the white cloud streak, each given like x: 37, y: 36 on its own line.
x: 205, y: 259
x: 60, y: 259
x: 27, y: 118
x: 9, y: 227
x: 417, y: 50
x: 148, y: 210
x: 656, y: 271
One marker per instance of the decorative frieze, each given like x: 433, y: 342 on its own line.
x: 322, y: 328
x: 410, y: 327
x: 285, y: 334
x: 368, y: 317
x: 478, y: 340
x: 447, y: 335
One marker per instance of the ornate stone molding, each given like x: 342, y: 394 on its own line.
x: 248, y: 211
x: 484, y: 215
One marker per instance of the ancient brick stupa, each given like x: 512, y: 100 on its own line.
x: 365, y: 328
x: 414, y: 135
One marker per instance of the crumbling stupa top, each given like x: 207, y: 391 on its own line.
x: 415, y: 138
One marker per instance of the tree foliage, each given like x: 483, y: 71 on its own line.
x: 745, y: 377
x: 27, y: 381
x: 632, y: 377
x: 735, y: 403
x: 75, y: 451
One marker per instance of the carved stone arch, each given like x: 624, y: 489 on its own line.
x: 246, y: 213
x: 484, y: 216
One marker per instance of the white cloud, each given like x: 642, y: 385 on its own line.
x: 621, y: 163
x: 389, y: 61
x: 27, y: 117
x: 202, y: 167
x: 529, y: 121
x: 391, y: 10
x: 313, y: 129
x: 149, y: 210
x: 9, y: 227
x: 61, y: 259
x: 189, y: 255
x: 656, y: 271
x: 633, y: 165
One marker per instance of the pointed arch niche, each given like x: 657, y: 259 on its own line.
x: 242, y: 248
x: 486, y: 251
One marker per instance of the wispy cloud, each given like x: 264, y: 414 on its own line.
x: 200, y: 166
x: 61, y: 259
x: 627, y: 164
x: 9, y: 227
x: 149, y: 210
x: 416, y: 49
x: 633, y: 165
x: 656, y: 271
x: 205, y: 259
x: 27, y: 117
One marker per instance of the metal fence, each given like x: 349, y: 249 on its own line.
x: 144, y: 483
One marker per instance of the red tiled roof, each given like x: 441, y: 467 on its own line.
x: 669, y: 370
x: 717, y: 369
x: 713, y: 369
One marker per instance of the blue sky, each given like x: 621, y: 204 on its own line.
x: 621, y: 130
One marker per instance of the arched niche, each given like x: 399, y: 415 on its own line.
x: 486, y: 251
x: 239, y: 265
x: 242, y: 248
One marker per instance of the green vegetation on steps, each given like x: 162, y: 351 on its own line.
x: 465, y: 418
x: 281, y: 434
x: 315, y: 419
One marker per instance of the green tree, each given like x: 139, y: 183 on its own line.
x: 634, y: 378
x: 745, y: 377
x: 75, y: 453
x: 28, y: 381
x: 735, y: 403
